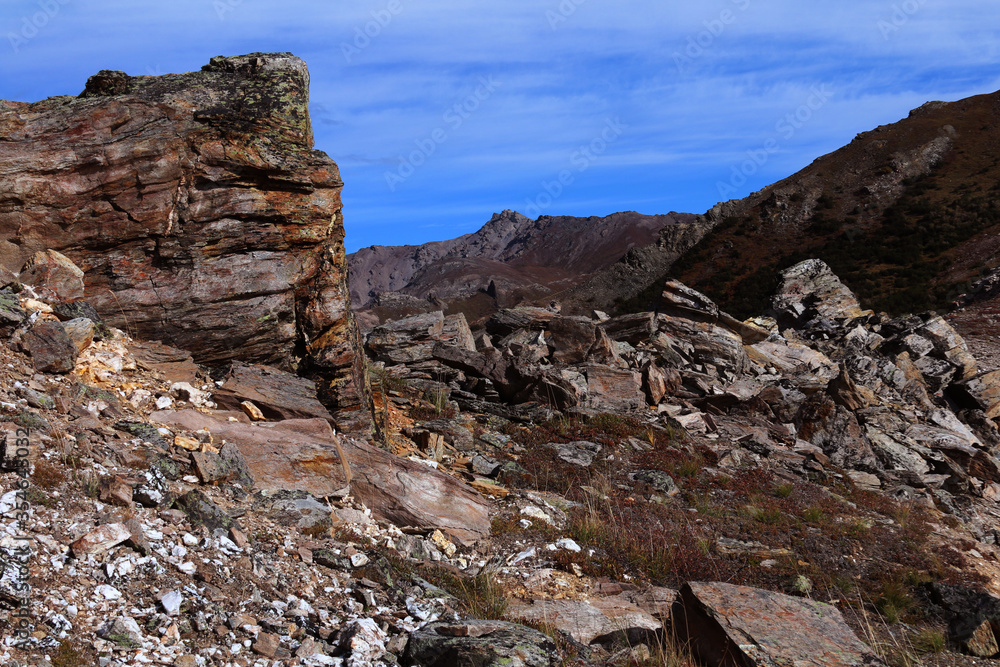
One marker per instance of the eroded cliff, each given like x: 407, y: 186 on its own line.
x: 197, y: 208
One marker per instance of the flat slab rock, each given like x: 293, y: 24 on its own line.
x: 738, y: 626
x: 599, y: 620
x: 303, y: 455
x: 278, y: 394
x: 479, y: 643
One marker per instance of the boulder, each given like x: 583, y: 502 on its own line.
x: 600, y: 620
x: 633, y: 328
x: 507, y: 321
x: 981, y: 392
x: 679, y: 300
x: 305, y: 455
x: 711, y: 343
x: 278, y: 394
x: 613, y: 390
x: 11, y: 313
x: 171, y: 363
x: 570, y: 339
x: 51, y: 349
x: 479, y: 643
x: 810, y: 290
x: 836, y: 430
x: 407, y: 340
x: 53, y: 276
x: 738, y: 626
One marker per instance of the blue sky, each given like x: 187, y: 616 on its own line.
x: 441, y: 112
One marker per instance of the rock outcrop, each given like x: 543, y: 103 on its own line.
x: 197, y: 209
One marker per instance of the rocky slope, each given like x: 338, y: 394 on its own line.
x: 512, y: 258
x: 195, y: 206
x: 556, y: 490
x: 905, y: 214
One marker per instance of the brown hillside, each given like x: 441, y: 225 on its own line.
x: 906, y: 214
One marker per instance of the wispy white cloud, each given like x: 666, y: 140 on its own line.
x: 697, y: 84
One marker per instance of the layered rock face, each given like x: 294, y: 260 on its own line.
x: 196, y: 207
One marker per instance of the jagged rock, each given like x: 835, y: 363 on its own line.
x: 50, y: 347
x: 228, y: 243
x: 600, y: 620
x: 604, y: 351
x: 81, y: 331
x: 659, y: 480
x: 791, y: 357
x: 297, y: 508
x: 711, y: 344
x: 570, y: 339
x: 122, y: 631
x: 679, y: 300
x: 203, y: 512
x: 981, y: 392
x: 810, y: 290
x: 101, y: 539
x: 480, y: 643
x: 505, y: 322
x: 633, y: 328
x: 950, y: 345
x: 957, y: 446
x: 11, y: 313
x: 173, y: 364
x: 580, y: 453
x: 971, y: 615
x: 730, y: 625
x: 613, y: 390
x: 836, y: 430
x: 846, y: 393
x: 53, y: 276
x: 277, y: 394
x: 408, y: 340
x: 506, y: 377
x: 658, y: 383
x: 305, y: 455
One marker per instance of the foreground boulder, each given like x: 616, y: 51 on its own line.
x: 810, y: 290
x: 196, y: 208
x: 305, y: 455
x: 600, y: 620
x: 734, y: 626
x: 480, y: 643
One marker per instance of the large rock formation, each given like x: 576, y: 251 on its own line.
x: 197, y: 209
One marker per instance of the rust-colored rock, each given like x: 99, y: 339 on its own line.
x: 305, y: 455
x: 599, y: 620
x: 197, y: 209
x: 101, y: 539
x: 50, y: 347
x: 738, y: 626
x: 53, y: 276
